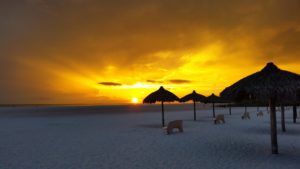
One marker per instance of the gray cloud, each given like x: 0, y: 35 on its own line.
x: 154, y: 81
x: 110, y: 84
x: 175, y: 81
x: 74, y: 29
x: 179, y: 81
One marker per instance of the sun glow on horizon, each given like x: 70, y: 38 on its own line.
x: 86, y: 85
x: 134, y: 100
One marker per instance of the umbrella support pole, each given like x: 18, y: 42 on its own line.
x: 229, y: 109
x: 194, y: 111
x: 294, y: 113
x: 282, y: 119
x: 214, y: 114
x: 273, y: 127
x: 163, y: 114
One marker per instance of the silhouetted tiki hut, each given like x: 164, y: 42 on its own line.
x: 213, y: 99
x: 195, y: 97
x: 161, y: 95
x: 272, y: 85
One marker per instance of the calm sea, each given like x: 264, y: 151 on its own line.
x: 82, y: 110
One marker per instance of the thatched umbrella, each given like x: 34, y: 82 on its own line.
x: 161, y: 95
x: 195, y: 97
x: 272, y: 85
x: 214, y: 99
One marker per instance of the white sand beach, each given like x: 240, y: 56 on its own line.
x: 94, y: 138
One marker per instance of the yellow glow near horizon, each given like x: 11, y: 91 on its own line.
x: 82, y: 86
x: 137, y: 85
x: 134, y: 100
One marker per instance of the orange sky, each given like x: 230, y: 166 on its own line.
x: 111, y: 51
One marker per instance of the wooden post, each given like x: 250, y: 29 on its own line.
x: 163, y: 114
x: 294, y: 113
x: 282, y: 119
x: 194, y: 110
x: 273, y: 126
x: 214, y: 115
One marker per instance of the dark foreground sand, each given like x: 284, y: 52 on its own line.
x: 131, y: 138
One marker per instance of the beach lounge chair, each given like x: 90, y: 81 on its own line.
x: 219, y: 118
x: 245, y: 115
x: 174, y: 124
x: 260, y: 114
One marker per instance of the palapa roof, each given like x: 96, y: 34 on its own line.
x: 193, y: 96
x: 161, y: 95
x: 261, y: 86
x: 214, y: 99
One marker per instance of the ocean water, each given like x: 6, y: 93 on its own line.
x: 88, y: 110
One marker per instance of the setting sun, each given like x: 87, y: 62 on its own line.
x: 134, y: 100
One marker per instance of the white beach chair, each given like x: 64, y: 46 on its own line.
x: 219, y: 118
x: 174, y: 124
x: 260, y: 114
x: 246, y: 115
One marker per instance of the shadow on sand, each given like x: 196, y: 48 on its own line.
x: 266, y: 131
x: 150, y: 126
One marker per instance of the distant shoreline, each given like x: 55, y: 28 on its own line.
x: 58, y: 110
x: 54, y: 105
x: 92, y: 104
x: 104, y: 105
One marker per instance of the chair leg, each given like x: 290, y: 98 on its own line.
x: 180, y: 129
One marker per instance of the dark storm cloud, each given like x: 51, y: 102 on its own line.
x: 128, y: 34
x: 154, y: 81
x: 179, y: 81
x: 287, y: 42
x: 174, y: 81
x: 103, y: 30
x: 110, y: 84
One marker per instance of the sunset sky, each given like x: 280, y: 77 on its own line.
x: 118, y: 51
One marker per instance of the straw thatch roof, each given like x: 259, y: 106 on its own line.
x: 196, y: 97
x: 161, y: 95
x: 214, y: 99
x: 261, y: 86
